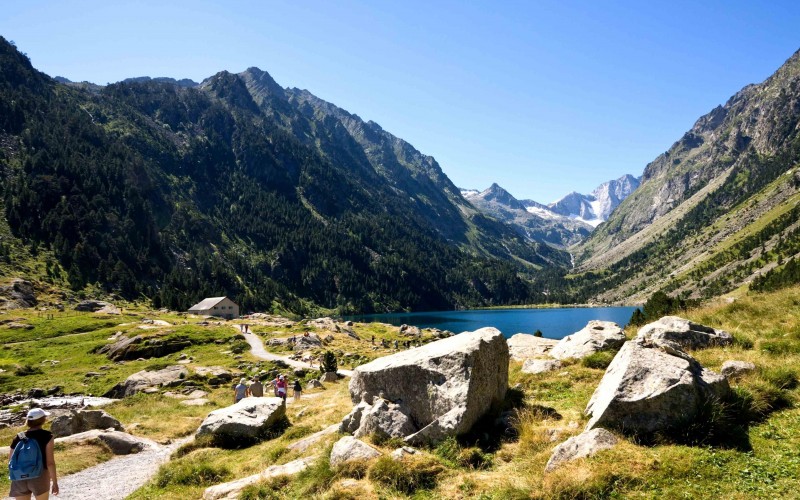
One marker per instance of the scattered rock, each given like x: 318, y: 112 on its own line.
x: 349, y: 448
x: 233, y: 489
x: 649, y: 388
x: 595, y: 336
x: 83, y: 420
x: 244, y: 422
x: 109, y: 309
x: 523, y: 346
x: 443, y: 387
x: 304, y: 343
x: 148, y: 381
x: 735, y: 369
x: 583, y: 445
x: 540, y: 365
x: 13, y: 325
x: 314, y: 384
x: 195, y: 402
x: 685, y: 333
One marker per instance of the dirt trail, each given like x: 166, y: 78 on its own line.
x: 257, y: 350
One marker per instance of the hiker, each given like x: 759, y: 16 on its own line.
x: 373, y: 340
x: 395, y: 344
x: 40, y: 485
x: 280, y: 387
x: 240, y: 391
x: 256, y: 388
x: 298, y: 390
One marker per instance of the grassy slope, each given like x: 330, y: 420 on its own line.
x: 767, y: 329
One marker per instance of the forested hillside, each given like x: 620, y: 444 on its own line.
x: 155, y: 189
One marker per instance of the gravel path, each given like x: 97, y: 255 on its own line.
x: 257, y: 350
x: 117, y: 478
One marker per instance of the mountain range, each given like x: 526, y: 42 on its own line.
x: 172, y: 190
x: 562, y: 223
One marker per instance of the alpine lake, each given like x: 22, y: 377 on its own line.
x: 554, y: 323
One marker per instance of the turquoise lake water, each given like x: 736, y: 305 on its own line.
x: 554, y: 323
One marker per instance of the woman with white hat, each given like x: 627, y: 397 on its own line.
x: 40, y: 486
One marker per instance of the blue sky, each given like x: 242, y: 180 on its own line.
x: 541, y: 97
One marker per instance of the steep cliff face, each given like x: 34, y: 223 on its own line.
x: 715, y: 176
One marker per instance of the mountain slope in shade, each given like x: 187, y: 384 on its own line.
x: 532, y: 220
x: 716, y: 211
x: 239, y: 187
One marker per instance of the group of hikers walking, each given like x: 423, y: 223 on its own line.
x: 255, y: 388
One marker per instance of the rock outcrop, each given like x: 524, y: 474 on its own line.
x: 245, y: 422
x: 128, y: 348
x: 215, y: 375
x: 349, y: 449
x: 140, y: 381
x: 120, y: 443
x: 595, y: 336
x: 83, y: 420
x: 685, y: 333
x: 233, y: 489
x: 523, y: 346
x: 652, y: 387
x: 19, y: 294
x: 441, y: 389
x: 583, y: 445
x: 92, y: 305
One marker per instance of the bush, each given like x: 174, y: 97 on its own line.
x: 598, y: 360
x: 23, y: 370
x: 780, y: 377
x: 329, y: 363
x: 406, y: 476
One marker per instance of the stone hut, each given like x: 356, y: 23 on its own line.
x: 216, y: 306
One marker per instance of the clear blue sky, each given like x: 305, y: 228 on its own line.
x: 541, y: 97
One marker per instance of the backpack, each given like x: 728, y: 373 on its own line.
x: 26, y: 460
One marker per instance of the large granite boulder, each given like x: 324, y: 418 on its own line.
x: 382, y: 418
x: 243, y: 423
x: 443, y: 388
x: 216, y: 375
x: 534, y: 366
x: 652, y: 387
x: 523, y: 346
x: 595, y: 336
x: 349, y: 449
x: 19, y: 294
x: 305, y: 343
x: 685, y: 333
x: 83, y: 420
x: 583, y: 445
x: 140, y: 381
x: 129, y: 348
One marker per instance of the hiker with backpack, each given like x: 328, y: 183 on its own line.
x: 31, y: 465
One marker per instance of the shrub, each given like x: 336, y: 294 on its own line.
x: 781, y: 377
x: 474, y: 458
x: 24, y: 370
x: 406, y: 476
x: 329, y: 363
x: 598, y: 360
x: 239, y: 346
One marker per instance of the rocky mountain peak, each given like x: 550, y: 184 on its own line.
x: 498, y: 194
x: 261, y: 84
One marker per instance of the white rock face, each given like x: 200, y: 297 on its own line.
x: 244, y: 422
x: 649, y: 388
x: 120, y: 443
x: 349, y: 448
x: 595, y: 336
x: 540, y: 365
x: 523, y: 346
x: 443, y: 387
x: 231, y: 490
x: 83, y: 420
x: 140, y: 381
x: 381, y: 417
x: 685, y: 333
x: 583, y: 445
